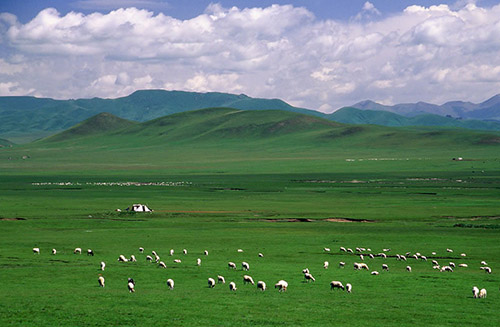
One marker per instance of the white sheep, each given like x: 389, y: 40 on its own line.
x: 371, y: 256
x: 408, y: 268
x: 78, y: 251
x: 348, y: 288
x: 433, y: 253
x: 438, y: 267
x: 403, y: 258
x: 361, y: 257
x: 446, y: 268
x: 211, y: 282
x: 486, y: 269
x: 149, y: 258
x: 248, y: 279
x: 232, y: 286
x: 231, y: 265
x: 482, y: 293
x: 326, y: 264
x: 435, y: 263
x: 341, y: 264
x: 281, y: 285
x: 261, y: 255
x: 385, y: 267
x: 157, y: 258
x: 463, y: 265
x: 171, y: 252
x: 475, y: 292
x: 374, y: 272
x: 101, y: 280
x: 305, y: 271
x: 326, y: 249
x: 484, y: 263
x: 54, y: 251
x: 153, y: 253
x: 309, y: 277
x: 343, y: 249
x: 184, y: 251
x: 220, y: 279
x: 386, y: 250
x: 336, y: 284
x: 198, y: 262
x: 383, y: 255
x: 261, y: 285
x: 132, y: 258
x: 103, y: 265
x: 423, y: 257
x: 245, y: 266
x: 90, y: 252
x: 350, y: 250
x: 177, y: 261
x: 122, y: 258
x: 131, y: 285
x: 36, y: 250
x: 415, y: 257
x: 162, y: 265
x: 239, y: 250
x: 463, y: 254
x: 141, y: 249
x: 170, y: 283
x: 205, y: 252
x: 451, y: 264
x: 449, y: 250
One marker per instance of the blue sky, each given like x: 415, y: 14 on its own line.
x: 318, y: 54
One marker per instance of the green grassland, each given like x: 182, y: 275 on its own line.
x: 279, y: 183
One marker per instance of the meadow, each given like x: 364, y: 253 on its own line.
x: 284, y: 198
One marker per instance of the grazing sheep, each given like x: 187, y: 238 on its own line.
x: 436, y: 267
x: 132, y: 258
x: 341, y: 264
x: 170, y: 283
x: 171, y: 252
x: 103, y: 265
x: 374, y: 272
x: 184, y: 251
x: 281, y: 286
x: 484, y: 263
x: 326, y: 264
x: 451, y: 264
x: 475, y: 292
x: 433, y: 253
x: 358, y: 266
x: 211, y: 283
x: 371, y: 256
x: 131, y: 285
x: 231, y: 265
x: 343, y: 249
x: 36, y: 250
x: 361, y: 257
x: 449, y: 250
x: 232, y: 286
x: 261, y: 255
x: 423, y: 257
x: 153, y: 253
x: 309, y: 277
x: 248, y: 279
x: 486, y: 269
x: 245, y: 266
x: 54, y: 251
x: 239, y: 250
x: 403, y: 258
x: 463, y: 265
x: 386, y: 250
x: 90, y: 252
x: 78, y: 251
x: 398, y: 257
x: 446, y: 268
x: 326, y: 249
x: 162, y: 265
x: 408, y: 268
x: 198, y: 262
x: 415, y: 257
x: 141, y: 249
x: 149, y: 258
x: 205, y: 252
x: 336, y: 284
x: 177, y: 260
x: 383, y: 255
x: 350, y: 250
x: 122, y: 258
x: 348, y: 288
x: 220, y: 279
x: 385, y: 267
x: 101, y: 280
x: 305, y: 271
x: 261, y: 285
x: 157, y: 258
x: 463, y: 254
x: 482, y: 293
x: 434, y: 262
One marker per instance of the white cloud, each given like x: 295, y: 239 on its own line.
x: 432, y: 54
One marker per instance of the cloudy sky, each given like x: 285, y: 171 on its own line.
x: 317, y: 54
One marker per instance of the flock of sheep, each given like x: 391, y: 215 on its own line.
x: 282, y: 285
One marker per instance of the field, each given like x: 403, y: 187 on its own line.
x: 285, y: 199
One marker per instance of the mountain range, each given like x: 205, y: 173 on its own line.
x: 25, y: 119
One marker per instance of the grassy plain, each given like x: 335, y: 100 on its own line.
x: 269, y: 194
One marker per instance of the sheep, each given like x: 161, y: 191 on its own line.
x: 141, y: 249
x: 463, y: 265
x: 309, y: 277
x: 100, y: 280
x: 326, y: 264
x: 348, y: 288
x: 122, y: 258
x: 486, y: 269
x: 435, y: 263
x: 211, y: 283
x: 220, y: 279
x: 153, y: 253
x: 157, y: 258
x: 341, y: 264
x: 36, y: 250
x: 248, y: 279
x: 305, y: 271
x: 371, y: 256
x: 77, y: 251
x: 245, y: 266
x: 232, y: 286
x: 132, y: 258
x: 261, y: 285
x: 90, y: 252
x: 326, y: 249
x: 184, y: 251
x: 281, y: 286
x: 374, y: 272
x: 482, y: 293
x: 349, y: 250
x: 162, y: 265
x: 398, y: 257
x: 261, y: 255
x: 205, y: 252
x: 415, y: 257
x: 177, y: 260
x: 385, y: 267
x: 171, y: 252
x: 361, y: 257
x: 131, y: 285
x: 436, y: 267
x: 231, y: 265
x: 239, y: 250
x: 423, y: 257
x: 358, y: 266
x: 403, y: 258
x: 484, y: 263
x: 383, y: 255
x: 198, y: 262
x: 433, y: 253
x: 103, y: 265
x: 449, y: 250
x: 149, y: 258
x: 451, y: 264
x: 463, y: 254
x: 475, y: 292
x: 54, y: 251
x: 386, y: 250
x: 446, y: 268
x: 170, y: 283
x: 408, y: 268
x: 343, y: 249
x: 336, y: 284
